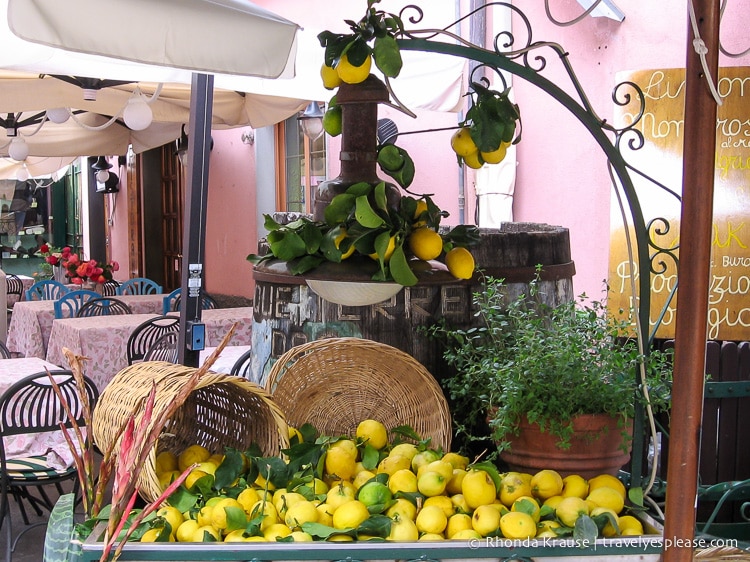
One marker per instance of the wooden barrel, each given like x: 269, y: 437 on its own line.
x: 287, y: 313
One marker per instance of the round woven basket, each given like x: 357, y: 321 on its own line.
x: 222, y: 411
x: 335, y: 383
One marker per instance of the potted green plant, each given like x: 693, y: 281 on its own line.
x: 538, y: 373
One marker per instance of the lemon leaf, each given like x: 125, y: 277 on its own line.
x: 339, y: 209
x: 635, y: 495
x: 380, y: 197
x: 387, y: 56
x: 305, y: 264
x: 229, y: 469
x: 359, y: 188
x: 585, y: 531
x: 365, y: 214
x: 390, y: 158
x: 400, y: 270
x: 490, y: 469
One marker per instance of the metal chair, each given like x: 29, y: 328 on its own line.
x: 103, y: 306
x: 31, y: 406
x: 15, y: 287
x: 49, y: 289
x: 163, y: 349
x: 144, y: 336
x: 139, y: 286
x: 109, y: 288
x: 68, y: 305
x: 241, y: 367
x: 172, y: 302
x: 4, y: 351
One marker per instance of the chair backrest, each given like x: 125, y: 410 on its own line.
x: 31, y: 405
x: 4, y: 351
x: 109, y: 288
x: 49, y: 289
x: 163, y: 349
x: 103, y: 306
x: 14, y: 285
x: 241, y: 367
x: 145, y: 335
x: 68, y: 305
x: 139, y: 286
x: 173, y: 300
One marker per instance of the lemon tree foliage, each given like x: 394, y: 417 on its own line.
x: 361, y: 219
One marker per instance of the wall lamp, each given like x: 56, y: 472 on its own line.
x: 604, y: 8
x: 311, y: 121
x: 106, y: 181
x: 181, y: 147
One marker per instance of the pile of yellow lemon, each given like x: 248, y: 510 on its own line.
x: 468, y: 152
x: 426, y: 494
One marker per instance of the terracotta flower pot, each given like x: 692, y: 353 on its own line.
x: 596, y: 448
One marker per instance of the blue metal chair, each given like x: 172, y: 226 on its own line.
x: 139, y: 286
x: 46, y: 290
x: 172, y: 301
x: 70, y: 303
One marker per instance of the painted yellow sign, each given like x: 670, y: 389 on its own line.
x: 661, y: 159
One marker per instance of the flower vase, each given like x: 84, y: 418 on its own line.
x: 59, y: 274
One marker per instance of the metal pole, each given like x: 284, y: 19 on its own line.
x: 196, y: 199
x: 694, y: 272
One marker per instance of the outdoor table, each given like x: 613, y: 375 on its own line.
x: 16, y: 446
x: 103, y: 339
x: 227, y: 359
x: 31, y: 322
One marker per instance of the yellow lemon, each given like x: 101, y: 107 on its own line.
x: 462, y: 143
x: 301, y: 536
x: 495, y: 156
x: 403, y: 529
x: 570, y: 509
x: 276, y: 531
x: 353, y: 74
x: 629, y: 525
x: 485, y: 520
x: 459, y: 503
x: 284, y: 500
x: 422, y: 458
x: 403, y: 480
x: 431, y: 537
x: 460, y: 263
x: 325, y: 514
x: 184, y: 533
x: 173, y: 516
x: 425, y: 243
x: 431, y: 483
x: 609, y: 481
x: 293, y: 431
x: 238, y: 535
x: 454, y: 484
x: 445, y: 469
x: 608, y: 530
x: 472, y: 160
x: 207, y: 466
x: 512, y: 487
x: 362, y: 477
x: 575, y: 485
x: 431, y: 519
x: 219, y: 515
x: 421, y: 208
x: 166, y: 461
x: 344, y: 255
x: 402, y: 508
x: 330, y: 77
x: 347, y: 445
x: 263, y: 484
x: 458, y: 522
x: 206, y: 533
x: 408, y: 450
x: 466, y: 535
x: 204, y: 515
x: 458, y: 461
x: 340, y: 463
x: 372, y: 432
x: 152, y: 534
x: 388, y: 251
x: 443, y: 502
x: 340, y: 493
x: 393, y: 463
x: 267, y: 512
x: 248, y: 498
x: 350, y: 515
x: 554, y: 501
x: 546, y: 483
x: 606, y: 497
x: 166, y: 478
x: 528, y: 505
x: 300, y: 513
x: 517, y: 525
x: 478, y: 488
x: 193, y: 454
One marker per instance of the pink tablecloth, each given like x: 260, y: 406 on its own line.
x: 11, y: 371
x: 103, y: 339
x: 31, y: 322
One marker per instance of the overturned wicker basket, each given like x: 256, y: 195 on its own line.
x: 335, y: 383
x: 222, y: 411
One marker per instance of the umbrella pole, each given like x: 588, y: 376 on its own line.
x: 692, y: 300
x: 194, y: 224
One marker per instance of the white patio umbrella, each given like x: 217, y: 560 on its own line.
x: 35, y: 167
x: 232, y: 37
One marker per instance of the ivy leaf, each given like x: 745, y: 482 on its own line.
x: 387, y: 56
x: 400, y: 270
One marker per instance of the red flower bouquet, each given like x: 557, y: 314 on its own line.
x: 80, y: 271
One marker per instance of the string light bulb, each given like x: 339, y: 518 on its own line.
x: 58, y: 114
x: 137, y: 113
x: 18, y: 149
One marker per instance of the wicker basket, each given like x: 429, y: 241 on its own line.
x: 336, y: 383
x: 222, y: 411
